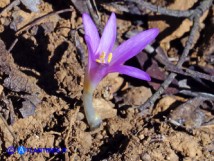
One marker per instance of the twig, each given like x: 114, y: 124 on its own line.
x: 37, y: 20
x: 90, y: 8
x: 190, y: 73
x: 190, y: 42
x: 69, y: 129
x: 13, y: 44
x: 177, y: 124
x: 162, y: 10
x: 163, y: 59
x: 11, y: 132
x: 118, y: 7
x: 5, y: 123
x: 208, y: 96
x: 171, y: 76
x: 79, y: 47
x: 92, y: 13
x: 200, y: 75
x: 10, y: 6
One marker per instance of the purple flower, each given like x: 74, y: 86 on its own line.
x: 104, y: 59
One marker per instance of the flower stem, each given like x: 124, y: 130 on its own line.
x: 93, y: 119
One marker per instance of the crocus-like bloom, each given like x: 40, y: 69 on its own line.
x: 104, y: 59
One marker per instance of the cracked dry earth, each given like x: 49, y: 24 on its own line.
x: 41, y: 82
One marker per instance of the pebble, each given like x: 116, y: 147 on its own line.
x: 80, y: 116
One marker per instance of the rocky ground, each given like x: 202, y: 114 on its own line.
x: 42, y: 64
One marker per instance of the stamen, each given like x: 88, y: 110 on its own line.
x: 102, y: 57
x: 98, y: 61
x: 109, y: 57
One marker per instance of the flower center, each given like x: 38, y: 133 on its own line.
x: 102, y: 58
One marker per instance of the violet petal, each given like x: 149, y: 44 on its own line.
x: 130, y: 71
x: 91, y: 63
x: 91, y: 31
x: 108, y: 37
x: 133, y: 46
x: 97, y: 73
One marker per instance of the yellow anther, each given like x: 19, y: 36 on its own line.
x: 103, y: 55
x: 102, y: 58
x: 98, y: 60
x: 109, y: 57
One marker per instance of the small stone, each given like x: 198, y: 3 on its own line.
x: 4, y: 3
x: 85, y: 140
x: 141, y: 136
x: 164, y: 104
x: 1, y: 89
x: 80, y: 116
x: 82, y: 126
x: 104, y: 109
x: 99, y: 136
x: 28, y: 109
x: 146, y: 157
x: 137, y: 96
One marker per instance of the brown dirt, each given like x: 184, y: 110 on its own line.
x: 46, y: 57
